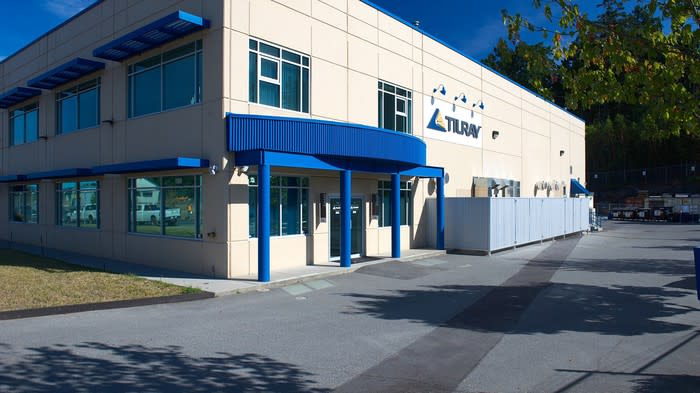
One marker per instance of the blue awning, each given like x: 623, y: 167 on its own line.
x: 65, y: 73
x: 578, y: 188
x: 11, y: 178
x: 152, y: 165
x: 166, y: 29
x: 60, y: 173
x: 17, y: 95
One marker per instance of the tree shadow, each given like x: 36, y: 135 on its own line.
x: 617, y: 310
x: 675, y: 267
x: 95, y: 367
x: 668, y: 383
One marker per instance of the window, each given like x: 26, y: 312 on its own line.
x: 78, y: 204
x: 395, y: 108
x: 278, y: 77
x: 384, y: 191
x: 168, y: 206
x: 289, y: 205
x: 170, y: 80
x: 24, y: 124
x: 24, y: 203
x: 79, y: 107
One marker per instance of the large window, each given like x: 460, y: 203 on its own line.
x: 170, y: 80
x: 24, y: 124
x: 169, y: 206
x: 289, y: 205
x: 79, y: 107
x: 24, y: 203
x: 406, y: 204
x: 278, y: 77
x: 395, y: 108
x: 78, y: 204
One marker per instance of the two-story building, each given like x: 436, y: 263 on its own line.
x: 239, y: 137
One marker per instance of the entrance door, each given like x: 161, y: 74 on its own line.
x: 355, y: 227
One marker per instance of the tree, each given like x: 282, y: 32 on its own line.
x: 641, y: 53
x: 530, y: 65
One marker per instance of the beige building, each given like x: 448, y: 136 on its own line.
x: 153, y: 131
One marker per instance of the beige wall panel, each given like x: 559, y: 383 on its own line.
x: 363, y: 56
x: 25, y: 233
x: 502, y: 110
x: 237, y: 206
x: 535, y: 104
x: 152, y: 136
x: 240, y: 10
x: 535, y: 123
x: 559, y: 117
x: 4, y: 219
x: 288, y: 252
x: 212, y: 64
x: 362, y: 99
x: 76, y: 240
x: 87, y: 142
x: 417, y: 39
x: 363, y: 12
x: 266, y: 18
x: 577, y: 147
x: 215, y: 199
x: 502, y: 166
x: 461, y: 163
x: 341, y: 5
x: 395, y: 69
x: 326, y: 102
x: 239, y: 257
x: 303, y: 6
x: 509, y: 140
x: 511, y: 97
x: 329, y: 43
x: 536, y: 161
x: 437, y: 50
x: 559, y: 169
x: 320, y: 247
x: 395, y: 45
x: 500, y: 82
x: 258, y: 109
x: 577, y: 126
x: 24, y: 158
x: 450, y: 75
x: 395, y: 28
x: 329, y: 14
x: 363, y: 30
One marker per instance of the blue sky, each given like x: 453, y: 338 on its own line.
x: 469, y: 25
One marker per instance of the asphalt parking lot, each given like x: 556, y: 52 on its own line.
x: 613, y: 311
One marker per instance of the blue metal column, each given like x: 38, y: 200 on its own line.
x: 395, y: 215
x: 440, y: 208
x: 345, y: 213
x: 264, y: 223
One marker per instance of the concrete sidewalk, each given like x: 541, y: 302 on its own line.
x: 218, y: 286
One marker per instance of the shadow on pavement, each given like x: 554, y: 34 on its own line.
x: 618, y: 310
x: 95, y: 367
x: 668, y: 383
x: 676, y: 267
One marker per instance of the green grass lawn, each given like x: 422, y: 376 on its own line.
x: 29, y: 281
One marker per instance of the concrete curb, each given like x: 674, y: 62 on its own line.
x: 76, y: 308
x: 318, y: 276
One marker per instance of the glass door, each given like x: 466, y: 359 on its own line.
x: 355, y: 227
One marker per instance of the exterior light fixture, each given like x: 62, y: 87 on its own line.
x: 462, y: 97
x: 495, y: 134
x: 213, y: 169
x: 441, y: 89
x: 561, y: 153
x: 481, y: 104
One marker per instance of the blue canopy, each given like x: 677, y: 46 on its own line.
x: 578, y: 188
x: 65, y: 73
x: 17, y: 95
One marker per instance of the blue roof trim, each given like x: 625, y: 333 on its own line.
x: 57, y: 174
x: 11, y: 178
x: 578, y: 188
x: 65, y: 73
x: 152, y: 165
x: 425, y: 171
x: 17, y: 95
x: 441, y: 41
x: 323, y: 139
x: 86, y: 9
x: 166, y: 29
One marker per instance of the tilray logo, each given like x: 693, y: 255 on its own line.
x: 436, y: 122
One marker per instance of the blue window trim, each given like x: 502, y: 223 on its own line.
x: 450, y: 46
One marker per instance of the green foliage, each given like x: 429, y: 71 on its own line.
x: 644, y: 54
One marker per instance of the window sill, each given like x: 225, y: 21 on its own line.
x: 77, y: 130
x: 23, y: 223
x: 167, y: 237
x: 163, y: 111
